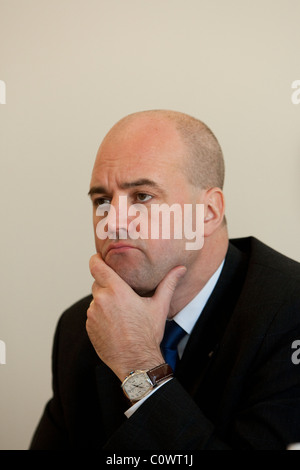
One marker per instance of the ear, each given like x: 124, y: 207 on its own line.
x: 214, y: 210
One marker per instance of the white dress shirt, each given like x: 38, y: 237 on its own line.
x: 186, y: 318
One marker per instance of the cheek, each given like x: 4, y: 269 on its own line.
x: 164, y: 255
x: 160, y: 251
x: 99, y: 243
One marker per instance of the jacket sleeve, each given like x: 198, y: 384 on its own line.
x: 51, y: 432
x: 169, y: 419
x: 266, y: 415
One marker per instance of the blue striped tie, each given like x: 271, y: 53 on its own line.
x: 173, y: 334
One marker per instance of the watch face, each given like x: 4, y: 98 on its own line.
x: 137, y: 385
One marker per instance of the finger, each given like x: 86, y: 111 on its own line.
x: 165, y: 290
x: 95, y: 288
x: 101, y: 272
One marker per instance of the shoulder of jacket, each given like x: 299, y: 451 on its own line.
x: 266, y: 257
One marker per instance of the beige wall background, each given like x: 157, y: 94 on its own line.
x: 72, y: 68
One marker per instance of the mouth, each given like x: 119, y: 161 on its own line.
x: 115, y: 248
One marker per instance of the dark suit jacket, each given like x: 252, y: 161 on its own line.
x: 236, y: 386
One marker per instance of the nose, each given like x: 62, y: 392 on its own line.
x: 117, y: 218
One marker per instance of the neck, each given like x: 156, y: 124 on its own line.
x: 198, y: 274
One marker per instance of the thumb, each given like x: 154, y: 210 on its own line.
x: 166, y: 288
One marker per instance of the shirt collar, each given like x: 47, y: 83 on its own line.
x: 188, y: 316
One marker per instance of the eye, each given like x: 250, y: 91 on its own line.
x: 100, y: 201
x: 143, y: 197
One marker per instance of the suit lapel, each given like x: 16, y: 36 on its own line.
x: 212, y: 322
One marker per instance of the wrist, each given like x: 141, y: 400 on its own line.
x: 139, y: 364
x: 140, y: 383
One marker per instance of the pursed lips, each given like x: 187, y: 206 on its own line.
x: 119, y: 247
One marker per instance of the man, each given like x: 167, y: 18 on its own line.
x: 235, y: 385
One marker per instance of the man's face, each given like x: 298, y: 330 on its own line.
x: 144, y: 162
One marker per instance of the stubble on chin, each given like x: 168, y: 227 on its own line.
x: 139, y: 280
x: 140, y: 277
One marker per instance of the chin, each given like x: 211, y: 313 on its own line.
x: 142, y: 289
x: 138, y: 281
x: 137, y: 273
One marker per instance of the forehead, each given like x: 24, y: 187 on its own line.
x: 143, y: 148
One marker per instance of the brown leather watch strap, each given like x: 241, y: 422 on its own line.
x: 159, y: 373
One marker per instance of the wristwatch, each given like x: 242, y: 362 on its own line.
x: 140, y: 382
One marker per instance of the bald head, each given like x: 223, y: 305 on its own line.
x: 203, y: 160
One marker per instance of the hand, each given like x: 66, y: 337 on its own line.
x: 125, y: 329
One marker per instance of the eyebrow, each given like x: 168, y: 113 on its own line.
x: 127, y: 185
